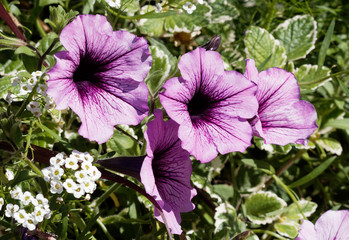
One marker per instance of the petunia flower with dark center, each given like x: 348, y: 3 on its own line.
x: 165, y: 171
x: 282, y: 117
x: 211, y: 106
x: 100, y: 76
x: 332, y: 225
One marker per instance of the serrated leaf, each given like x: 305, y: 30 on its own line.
x: 287, y: 229
x: 297, y: 35
x: 153, y: 26
x: 261, y: 45
x: 259, y: 204
x: 307, y: 207
x: 185, y: 22
x: 224, y: 190
x: 223, y: 11
x: 226, y: 222
x: 272, y: 148
x: 163, y: 66
x: 309, y: 77
x: 331, y: 145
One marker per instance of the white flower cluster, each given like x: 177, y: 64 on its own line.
x: 79, y: 175
x: 113, y: 3
x: 189, y: 7
x: 38, y: 208
x: 27, y: 83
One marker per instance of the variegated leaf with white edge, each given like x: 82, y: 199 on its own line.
x: 309, y: 77
x: 264, y: 49
x: 226, y: 221
x: 306, y: 206
x: 297, y: 35
x: 223, y: 11
x: 287, y: 229
x: 330, y: 145
x: 264, y: 207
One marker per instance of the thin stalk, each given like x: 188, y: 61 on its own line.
x: 25, y: 103
x: 105, y: 195
x: 324, y: 78
x: 104, y: 228
x: 129, y: 135
x: 42, y: 58
x: 269, y: 233
x: 9, y: 21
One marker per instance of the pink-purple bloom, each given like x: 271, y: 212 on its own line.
x: 282, y: 117
x: 332, y: 225
x: 210, y: 105
x: 166, y: 171
x: 100, y: 76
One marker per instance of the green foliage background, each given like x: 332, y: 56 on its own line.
x: 259, y: 191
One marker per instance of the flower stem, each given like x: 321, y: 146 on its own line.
x: 49, y: 49
x: 105, y: 195
x: 269, y: 233
x: 324, y: 78
x: 129, y: 135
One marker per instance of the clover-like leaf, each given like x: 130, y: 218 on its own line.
x: 287, y: 229
x: 264, y: 207
x: 330, y: 145
x: 309, y: 77
x: 264, y: 49
x: 297, y: 35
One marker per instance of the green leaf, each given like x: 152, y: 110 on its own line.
x: 297, y: 35
x: 226, y: 222
x: 223, y: 11
x: 30, y: 63
x: 43, y: 3
x: 262, y: 207
x: 16, y: 134
x: 130, y: 6
x: 260, y: 45
x: 338, y: 123
x: 152, y: 26
x: 5, y: 85
x: 272, y: 148
x: 309, y: 77
x: 325, y: 44
x: 259, y: 164
x: 307, y: 207
x: 185, y: 22
x: 224, y: 190
x: 25, y: 50
x: 287, y: 229
x: 164, y: 65
x: 331, y: 145
x: 23, y: 175
x: 313, y: 174
x: 59, y: 18
x: 46, y: 42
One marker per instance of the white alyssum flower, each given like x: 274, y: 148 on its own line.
x: 16, y: 193
x: 50, y: 103
x: 69, y: 185
x: 36, y: 74
x: 47, y: 173
x: 158, y: 7
x: 2, y: 201
x: 15, y: 81
x: 56, y: 187
x: 33, y: 105
x: 41, y: 89
x: 8, y: 98
x: 20, y: 216
x: 32, y: 81
x: 39, y: 213
x: 25, y: 88
x: 113, y: 3
x: 81, y: 176
x: 26, y: 198
x: 89, y: 186
x: 189, y: 7
x: 56, y: 173
x: 11, y: 209
x: 37, y: 112
x: 42, y: 201
x: 95, y: 173
x: 71, y: 163
x: 9, y: 174
x: 87, y: 167
x: 79, y: 191
x: 57, y: 160
x: 47, y: 77
x: 30, y: 223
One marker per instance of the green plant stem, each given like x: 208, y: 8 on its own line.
x: 269, y: 233
x: 324, y: 78
x: 26, y: 159
x: 25, y: 103
x: 104, y: 228
x: 49, y: 49
x: 105, y: 195
x: 292, y: 196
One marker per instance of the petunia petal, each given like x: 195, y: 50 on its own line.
x: 307, y: 231
x: 251, y: 72
x: 333, y: 225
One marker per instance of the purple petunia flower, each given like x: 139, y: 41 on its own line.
x: 210, y: 105
x: 331, y: 225
x: 100, y: 76
x: 166, y: 171
x: 282, y: 118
